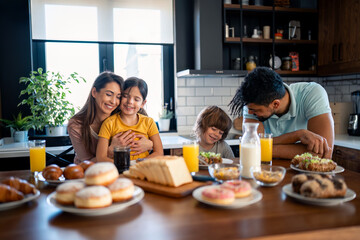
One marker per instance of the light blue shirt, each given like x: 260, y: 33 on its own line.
x: 307, y: 100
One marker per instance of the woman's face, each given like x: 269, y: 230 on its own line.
x: 212, y: 135
x: 131, y: 101
x: 108, y: 98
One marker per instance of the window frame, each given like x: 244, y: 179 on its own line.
x: 106, y: 61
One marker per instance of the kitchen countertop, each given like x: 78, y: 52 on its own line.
x: 347, y: 141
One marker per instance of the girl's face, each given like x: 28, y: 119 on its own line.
x: 131, y: 101
x: 212, y: 135
x: 108, y: 98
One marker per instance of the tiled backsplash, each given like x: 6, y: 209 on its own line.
x: 193, y: 94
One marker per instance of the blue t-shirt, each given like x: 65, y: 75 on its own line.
x: 307, y: 100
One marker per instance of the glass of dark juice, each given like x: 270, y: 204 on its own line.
x: 122, y: 158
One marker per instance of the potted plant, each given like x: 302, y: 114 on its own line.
x: 19, y: 127
x: 45, y: 94
x: 164, y: 118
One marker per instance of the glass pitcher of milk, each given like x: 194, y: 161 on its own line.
x: 250, y: 155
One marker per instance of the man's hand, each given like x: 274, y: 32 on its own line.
x: 141, y: 145
x: 315, y: 144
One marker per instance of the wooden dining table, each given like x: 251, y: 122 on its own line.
x: 275, y: 216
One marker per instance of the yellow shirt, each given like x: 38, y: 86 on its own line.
x: 113, y: 125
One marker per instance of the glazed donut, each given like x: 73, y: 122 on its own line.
x: 218, y: 195
x: 65, y: 193
x: 93, y: 197
x: 121, y: 190
x: 103, y: 173
x: 52, y: 172
x: 73, y: 171
x: 85, y: 164
x: 240, y: 188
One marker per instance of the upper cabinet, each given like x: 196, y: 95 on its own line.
x: 259, y: 32
x: 339, y: 51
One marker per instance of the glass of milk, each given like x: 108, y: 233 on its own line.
x: 250, y: 151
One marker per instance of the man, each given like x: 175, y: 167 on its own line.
x: 298, y: 115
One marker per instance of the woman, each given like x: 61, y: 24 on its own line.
x: 83, y: 127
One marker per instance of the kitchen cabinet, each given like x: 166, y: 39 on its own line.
x: 339, y: 52
x: 241, y: 20
x: 347, y: 157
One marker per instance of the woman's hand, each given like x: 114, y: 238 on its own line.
x: 121, y: 139
x: 141, y: 145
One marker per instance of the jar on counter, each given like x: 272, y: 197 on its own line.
x: 286, y: 63
x: 250, y: 64
x: 236, y: 63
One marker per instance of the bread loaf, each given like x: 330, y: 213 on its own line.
x: 165, y: 170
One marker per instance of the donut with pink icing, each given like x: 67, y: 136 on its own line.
x: 218, y: 195
x: 239, y: 187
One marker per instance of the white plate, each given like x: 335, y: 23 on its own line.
x: 113, y: 208
x: 61, y: 179
x: 224, y: 160
x: 338, y: 169
x: 238, y: 203
x: 27, y: 198
x: 288, y: 190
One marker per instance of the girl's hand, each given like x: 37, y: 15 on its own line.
x: 141, y: 145
x: 121, y: 139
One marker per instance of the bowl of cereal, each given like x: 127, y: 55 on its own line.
x: 223, y: 171
x: 268, y: 175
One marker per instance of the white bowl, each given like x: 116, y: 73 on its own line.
x: 268, y: 175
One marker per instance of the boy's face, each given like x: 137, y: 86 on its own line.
x: 260, y: 111
x: 212, y: 135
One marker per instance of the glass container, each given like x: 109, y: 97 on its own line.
x: 250, y: 151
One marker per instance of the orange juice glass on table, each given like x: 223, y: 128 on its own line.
x: 37, y: 155
x: 191, y: 156
x: 266, y: 142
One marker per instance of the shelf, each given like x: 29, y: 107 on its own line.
x: 301, y: 72
x: 286, y: 41
x: 300, y: 10
x: 257, y: 40
x: 232, y: 40
x: 269, y: 8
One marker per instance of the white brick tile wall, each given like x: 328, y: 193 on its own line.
x: 212, y: 82
x: 212, y: 101
x: 230, y: 82
x: 185, y: 111
x: 205, y: 91
x: 195, y: 101
x: 181, y: 120
x: 181, y: 101
x: 222, y: 91
x: 181, y: 82
x: 194, y: 82
x: 186, y: 91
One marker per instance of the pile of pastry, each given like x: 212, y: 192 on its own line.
x: 72, y: 171
x: 306, y: 161
x: 318, y: 186
x: 227, y: 192
x: 100, y: 188
x: 207, y: 158
x: 15, y: 189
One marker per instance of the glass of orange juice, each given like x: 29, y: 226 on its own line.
x: 266, y: 143
x: 191, y: 156
x: 37, y: 155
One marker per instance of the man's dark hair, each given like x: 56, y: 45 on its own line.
x: 261, y: 86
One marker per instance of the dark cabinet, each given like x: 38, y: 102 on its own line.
x: 347, y: 157
x: 238, y: 28
x: 339, y: 51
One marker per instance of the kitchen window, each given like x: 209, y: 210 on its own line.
x: 130, y: 38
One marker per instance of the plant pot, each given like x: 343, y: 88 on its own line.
x: 164, y: 124
x: 55, y: 131
x: 20, y: 136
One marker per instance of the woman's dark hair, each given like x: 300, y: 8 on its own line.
x: 86, y: 115
x: 212, y: 116
x: 137, y: 82
x: 261, y: 86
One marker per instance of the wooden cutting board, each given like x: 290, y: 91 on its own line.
x: 175, y: 192
x: 237, y: 123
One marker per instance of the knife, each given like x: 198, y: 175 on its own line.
x: 203, y: 178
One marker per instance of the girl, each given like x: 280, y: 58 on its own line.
x: 132, y: 99
x: 211, y: 128
x: 83, y: 127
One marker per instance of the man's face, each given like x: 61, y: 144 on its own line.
x: 260, y: 111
